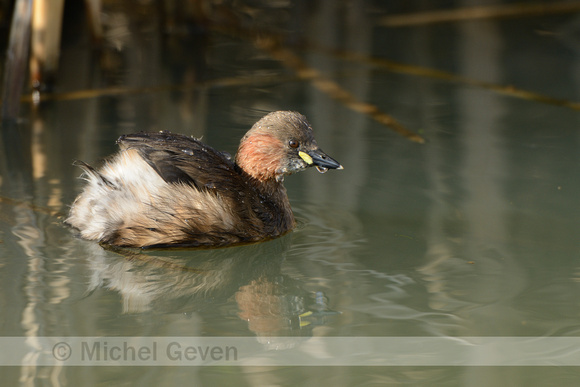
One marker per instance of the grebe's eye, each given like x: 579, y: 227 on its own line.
x: 293, y: 143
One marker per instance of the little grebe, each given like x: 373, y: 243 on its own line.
x: 164, y: 189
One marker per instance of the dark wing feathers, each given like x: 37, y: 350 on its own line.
x: 182, y: 159
x: 90, y: 171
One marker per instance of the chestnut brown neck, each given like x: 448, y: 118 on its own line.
x: 260, y: 156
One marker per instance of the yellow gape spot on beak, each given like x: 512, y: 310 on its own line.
x: 303, y: 315
x: 306, y: 157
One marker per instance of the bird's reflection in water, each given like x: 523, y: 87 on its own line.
x: 169, y: 281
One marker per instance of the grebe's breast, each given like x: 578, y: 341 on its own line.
x: 167, y: 189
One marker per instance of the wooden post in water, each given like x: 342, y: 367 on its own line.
x: 45, y: 42
x: 95, y: 23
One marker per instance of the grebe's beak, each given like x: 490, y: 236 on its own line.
x: 320, y: 160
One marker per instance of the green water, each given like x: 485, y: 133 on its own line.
x: 473, y: 233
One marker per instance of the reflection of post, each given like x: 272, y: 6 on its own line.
x: 468, y: 220
x: 479, y: 115
x: 16, y: 55
x: 484, y: 169
x: 334, y: 124
x: 484, y: 206
x: 94, y: 17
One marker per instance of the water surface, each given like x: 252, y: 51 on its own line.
x: 471, y: 233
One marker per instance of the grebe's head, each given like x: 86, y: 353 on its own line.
x: 279, y: 144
